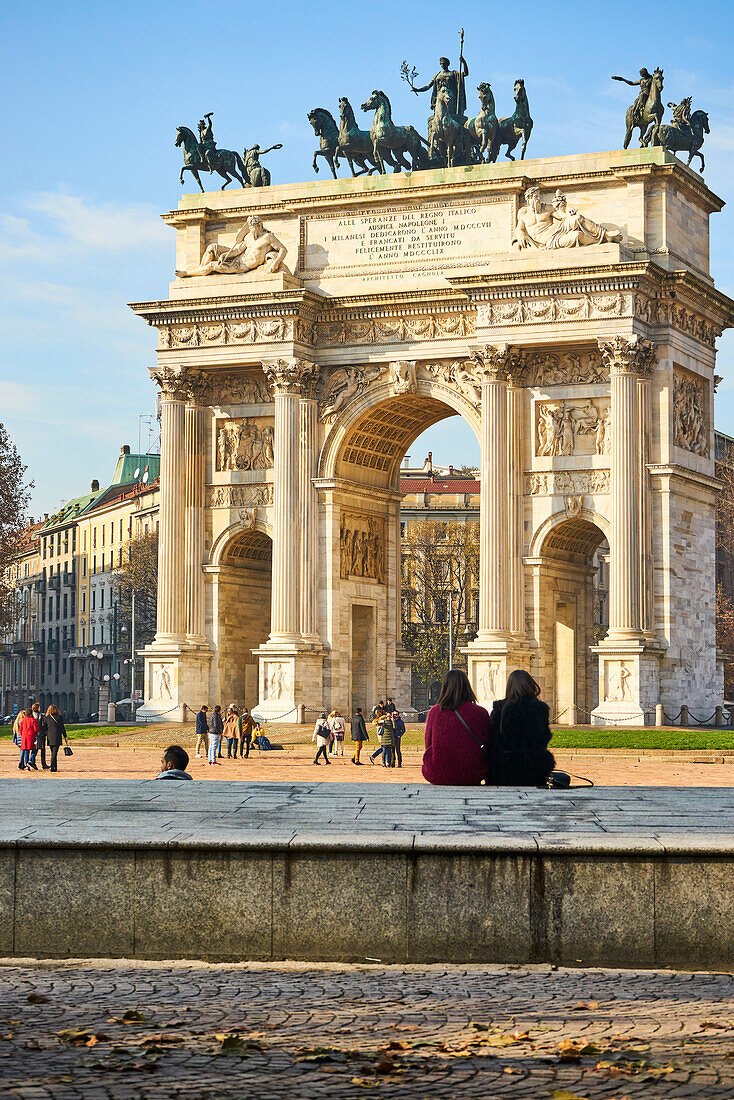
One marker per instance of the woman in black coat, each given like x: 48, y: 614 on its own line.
x: 520, y: 736
x: 55, y: 733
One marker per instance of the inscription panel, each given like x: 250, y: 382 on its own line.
x: 436, y: 235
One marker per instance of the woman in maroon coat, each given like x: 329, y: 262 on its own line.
x: 454, y: 755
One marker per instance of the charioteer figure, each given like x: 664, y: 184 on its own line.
x: 257, y: 176
x: 645, y: 84
x: 682, y: 115
x: 453, y: 81
x: 207, y: 144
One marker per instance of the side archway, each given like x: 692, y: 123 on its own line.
x: 570, y: 555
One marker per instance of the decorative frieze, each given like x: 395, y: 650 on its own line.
x: 362, y: 547
x: 237, y: 389
x: 566, y: 482
x: 238, y: 496
x: 249, y: 330
x: 245, y: 443
x: 390, y: 330
x: 690, y: 422
x: 550, y: 308
x: 570, y: 368
x: 578, y: 426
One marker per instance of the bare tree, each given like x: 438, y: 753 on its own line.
x: 139, y: 574
x: 14, y: 497
x: 439, y: 558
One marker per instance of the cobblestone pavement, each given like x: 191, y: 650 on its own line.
x: 305, y: 1031
x: 102, y: 762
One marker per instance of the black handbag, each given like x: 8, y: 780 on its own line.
x: 67, y: 751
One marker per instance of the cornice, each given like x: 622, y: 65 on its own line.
x: 682, y: 473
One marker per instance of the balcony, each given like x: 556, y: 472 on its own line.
x: 19, y: 649
x: 35, y: 649
x: 52, y: 645
x: 54, y: 583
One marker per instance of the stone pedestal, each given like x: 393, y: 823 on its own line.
x: 289, y: 677
x: 176, y: 679
x: 489, y: 668
x: 629, y: 684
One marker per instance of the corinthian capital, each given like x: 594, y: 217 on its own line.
x: 493, y: 362
x: 178, y: 383
x: 297, y: 376
x: 628, y: 355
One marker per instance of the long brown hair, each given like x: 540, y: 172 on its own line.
x: 455, y: 690
x: 53, y: 710
x: 519, y: 684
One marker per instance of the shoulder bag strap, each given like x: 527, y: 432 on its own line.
x: 471, y: 732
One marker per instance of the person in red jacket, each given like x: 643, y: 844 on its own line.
x: 28, y: 732
x: 454, y: 755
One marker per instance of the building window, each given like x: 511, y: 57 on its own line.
x: 120, y: 529
x: 102, y: 533
x: 112, y: 530
x: 94, y: 599
x: 84, y: 640
x: 101, y: 598
x: 84, y: 600
x: 84, y: 565
x: 94, y: 563
x: 66, y: 605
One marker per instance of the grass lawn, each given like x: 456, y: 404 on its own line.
x: 616, y: 738
x: 75, y: 732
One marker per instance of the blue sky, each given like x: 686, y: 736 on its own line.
x: 92, y: 96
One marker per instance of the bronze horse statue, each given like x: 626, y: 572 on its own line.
x: 648, y: 123
x: 480, y: 131
x: 327, y: 130
x: 399, y: 141
x: 510, y: 130
x: 353, y: 144
x: 445, y: 132
x: 226, y: 162
x: 676, y: 140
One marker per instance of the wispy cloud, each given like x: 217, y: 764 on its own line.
x: 106, y: 226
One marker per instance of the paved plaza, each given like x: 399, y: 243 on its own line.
x: 304, y: 1031
x: 141, y: 760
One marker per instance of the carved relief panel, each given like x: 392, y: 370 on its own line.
x: 579, y: 426
x: 245, y: 443
x: 362, y: 547
x: 617, y: 682
x: 690, y: 418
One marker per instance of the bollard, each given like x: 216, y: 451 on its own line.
x: 184, y: 713
x: 684, y: 715
x: 111, y: 716
x: 301, y: 714
x: 659, y: 715
x: 719, y: 716
x: 572, y: 715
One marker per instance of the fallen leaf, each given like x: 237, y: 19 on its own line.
x: 397, y: 1044
x: 564, y: 1094
x: 385, y: 1066
x: 38, y: 999
x: 91, y: 1041
x: 723, y: 1025
x: 585, y: 1006
x: 76, y: 1035
x: 364, y: 1082
x: 511, y: 1069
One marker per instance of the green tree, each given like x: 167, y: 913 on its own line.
x: 14, y: 497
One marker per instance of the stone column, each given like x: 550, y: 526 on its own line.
x: 286, y: 378
x: 308, y: 455
x: 194, y: 522
x: 647, y: 580
x: 491, y: 367
x: 515, y: 499
x: 627, y: 358
x: 171, y: 523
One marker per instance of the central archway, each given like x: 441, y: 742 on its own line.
x: 359, y: 484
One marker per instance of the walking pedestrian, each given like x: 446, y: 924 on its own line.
x: 216, y: 728
x: 41, y: 736
x: 398, y: 731
x: 322, y: 736
x: 202, y: 732
x: 16, y: 731
x: 55, y: 734
x: 232, y: 731
x: 387, y: 739
x: 359, y: 734
x: 338, y: 726
x: 247, y: 724
x: 28, y: 730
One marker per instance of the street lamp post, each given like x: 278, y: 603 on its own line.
x: 451, y: 632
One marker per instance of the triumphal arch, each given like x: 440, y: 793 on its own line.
x: 563, y: 307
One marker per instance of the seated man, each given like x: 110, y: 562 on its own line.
x: 174, y: 762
